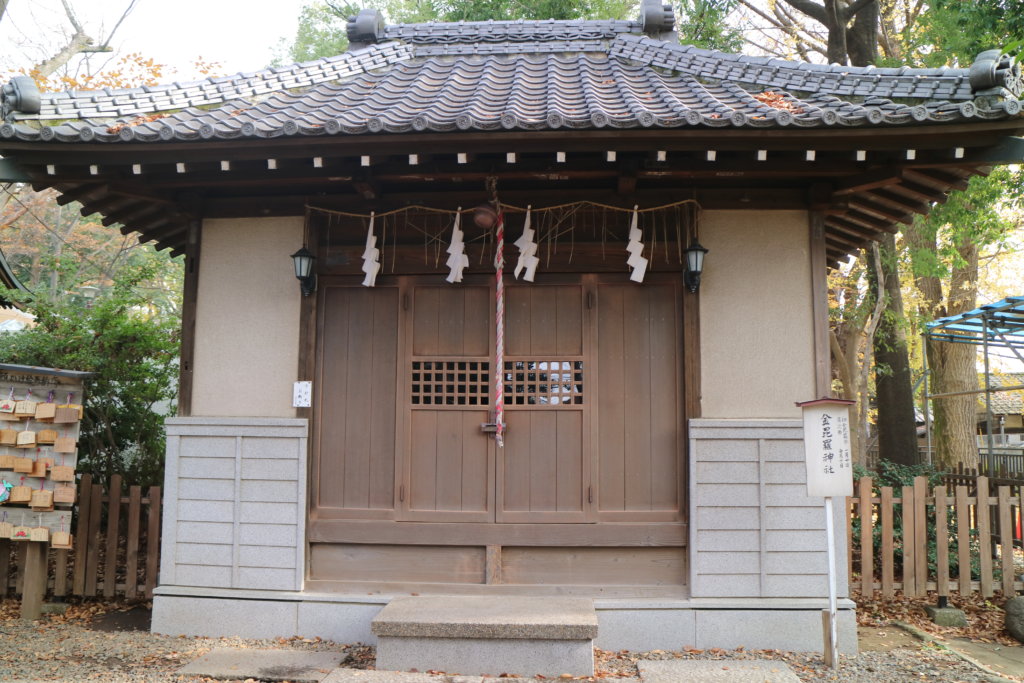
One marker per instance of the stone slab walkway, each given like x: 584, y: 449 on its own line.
x: 322, y: 667
x: 716, y: 671
x: 265, y: 665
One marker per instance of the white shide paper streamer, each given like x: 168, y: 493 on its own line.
x: 457, y: 259
x: 635, y: 247
x: 371, y: 257
x: 528, y: 260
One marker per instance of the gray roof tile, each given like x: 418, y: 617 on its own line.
x: 516, y: 74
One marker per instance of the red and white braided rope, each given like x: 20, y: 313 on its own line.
x: 499, y: 337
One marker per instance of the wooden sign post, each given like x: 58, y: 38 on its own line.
x: 829, y: 474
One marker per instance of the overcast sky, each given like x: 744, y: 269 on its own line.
x: 240, y: 35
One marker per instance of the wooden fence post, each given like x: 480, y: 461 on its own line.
x: 82, y: 534
x: 941, y: 542
x: 113, y: 531
x: 131, y: 574
x: 907, y: 500
x: 921, y: 535
x: 93, y: 556
x: 963, y: 538
x: 888, y: 587
x: 983, y: 512
x: 867, y: 564
x: 1006, y: 542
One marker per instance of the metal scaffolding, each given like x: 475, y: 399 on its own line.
x: 996, y: 325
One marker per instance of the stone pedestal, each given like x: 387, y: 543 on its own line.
x: 487, y: 635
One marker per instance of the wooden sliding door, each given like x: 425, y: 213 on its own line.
x: 593, y: 402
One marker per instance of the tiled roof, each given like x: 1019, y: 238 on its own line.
x: 1004, y: 402
x: 447, y: 33
x: 527, y: 76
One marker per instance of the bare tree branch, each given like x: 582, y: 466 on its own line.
x: 70, y: 12
x: 809, y: 8
x: 764, y: 15
x: 124, y: 15
x: 78, y: 43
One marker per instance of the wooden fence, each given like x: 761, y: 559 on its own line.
x: 116, y: 545
x: 957, y: 537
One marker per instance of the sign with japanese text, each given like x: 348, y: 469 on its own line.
x: 827, y: 447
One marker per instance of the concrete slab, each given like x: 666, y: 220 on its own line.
x: 359, y: 676
x: 554, y: 618
x: 356, y: 676
x: 716, y: 671
x: 265, y: 665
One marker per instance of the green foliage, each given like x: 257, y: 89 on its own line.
x: 133, y: 353
x: 703, y: 23
x: 897, y: 475
x: 958, y: 30
x: 321, y: 33
x: 983, y: 215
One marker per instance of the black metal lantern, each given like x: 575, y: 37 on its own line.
x: 303, y: 261
x: 694, y: 265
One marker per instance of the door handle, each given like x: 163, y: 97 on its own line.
x: 492, y: 427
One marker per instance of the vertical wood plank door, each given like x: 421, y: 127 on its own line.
x: 543, y: 470
x: 639, y: 401
x: 449, y: 470
x: 593, y: 401
x: 354, y: 438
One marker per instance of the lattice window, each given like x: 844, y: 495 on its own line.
x: 544, y: 382
x: 450, y: 383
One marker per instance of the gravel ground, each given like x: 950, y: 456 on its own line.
x: 72, y: 649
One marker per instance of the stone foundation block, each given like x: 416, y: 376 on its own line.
x: 485, y: 635
x: 946, y: 616
x: 479, y: 656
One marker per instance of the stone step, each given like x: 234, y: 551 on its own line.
x: 479, y: 635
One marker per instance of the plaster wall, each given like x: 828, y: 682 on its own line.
x: 247, y: 318
x: 756, y: 327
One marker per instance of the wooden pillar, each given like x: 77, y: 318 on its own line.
x: 190, y: 297
x: 307, y: 319
x: 35, y: 580
x: 819, y: 305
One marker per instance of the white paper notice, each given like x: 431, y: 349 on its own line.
x: 827, y: 449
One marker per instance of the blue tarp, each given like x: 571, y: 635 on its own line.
x: 1002, y: 322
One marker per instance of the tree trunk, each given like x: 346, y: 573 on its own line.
x: 897, y: 426
x: 953, y: 367
x: 862, y: 36
x: 837, y: 50
x: 845, y: 353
